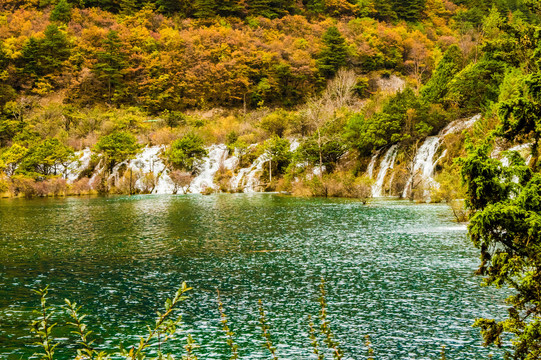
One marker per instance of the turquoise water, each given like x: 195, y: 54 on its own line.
x: 400, y: 272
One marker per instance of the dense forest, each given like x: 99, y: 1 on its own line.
x: 347, y: 80
x: 243, y: 72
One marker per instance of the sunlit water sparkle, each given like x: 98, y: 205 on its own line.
x: 400, y: 272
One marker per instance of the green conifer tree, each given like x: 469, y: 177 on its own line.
x: 384, y: 10
x: 270, y: 8
x: 54, y: 50
x: 183, y: 8
x: 450, y: 64
x: 316, y: 6
x: 111, y: 63
x: 128, y: 7
x: 30, y: 58
x: 230, y: 8
x: 61, y: 12
x: 205, y: 9
x: 46, y: 56
x: 409, y: 10
x: 506, y: 223
x: 334, y: 54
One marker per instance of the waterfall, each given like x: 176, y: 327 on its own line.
x: 149, y: 161
x: 423, y: 165
x: 386, y: 164
x: 370, y: 168
x: 459, y: 125
x: 153, y: 174
x: 164, y: 184
x: 217, y: 154
x: 231, y: 163
x: 81, y: 162
x: 247, y: 180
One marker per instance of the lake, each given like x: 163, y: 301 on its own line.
x: 399, y: 272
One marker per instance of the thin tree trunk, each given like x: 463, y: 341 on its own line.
x: 244, y: 106
x: 270, y: 171
x: 320, y: 154
x: 321, y: 161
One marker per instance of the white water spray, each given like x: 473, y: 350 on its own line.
x: 81, y: 162
x: 386, y: 164
x: 217, y: 154
x: 248, y: 179
x: 423, y: 166
x: 370, y: 168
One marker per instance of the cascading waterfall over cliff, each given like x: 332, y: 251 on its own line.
x: 423, y: 166
x: 425, y: 162
x: 150, y: 164
x: 217, y: 154
x: 421, y: 169
x: 82, y: 162
x: 147, y: 162
x: 386, y: 164
x: 248, y: 179
x: 371, y: 165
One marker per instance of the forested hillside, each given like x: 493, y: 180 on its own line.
x: 205, y: 55
x: 347, y: 78
x: 419, y: 99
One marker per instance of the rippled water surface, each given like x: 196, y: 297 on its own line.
x: 400, y: 272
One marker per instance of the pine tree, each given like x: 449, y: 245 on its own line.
x: 270, y: 8
x: 451, y: 63
x: 30, y: 57
x: 107, y: 5
x: 46, y: 56
x: 334, y: 54
x: 54, y: 50
x: 316, y: 6
x: 205, y: 9
x: 230, y: 8
x: 260, y: 8
x: 506, y: 205
x: 384, y: 10
x: 61, y: 12
x: 128, y: 7
x: 110, y: 63
x: 409, y: 10
x: 184, y: 8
